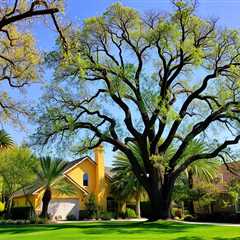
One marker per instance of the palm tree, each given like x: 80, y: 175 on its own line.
x: 50, y: 171
x: 5, y: 140
x: 203, y: 170
x: 125, y: 184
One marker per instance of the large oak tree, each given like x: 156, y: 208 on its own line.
x: 158, y: 80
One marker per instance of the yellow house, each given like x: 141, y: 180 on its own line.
x: 86, y: 176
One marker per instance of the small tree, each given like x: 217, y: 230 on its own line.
x: 204, y: 170
x: 50, y: 171
x: 206, y: 195
x: 16, y: 165
x: 91, y: 205
x: 125, y: 184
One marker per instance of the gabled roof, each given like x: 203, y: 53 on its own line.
x: 31, y: 189
x: 74, y: 163
x: 27, y: 190
x: 108, y: 172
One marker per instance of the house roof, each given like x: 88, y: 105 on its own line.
x: 228, y: 175
x: 108, y: 171
x: 28, y: 190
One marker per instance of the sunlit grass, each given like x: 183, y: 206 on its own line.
x: 119, y: 231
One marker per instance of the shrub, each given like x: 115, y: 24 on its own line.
x: 21, y: 212
x: 42, y: 221
x: 84, y: 214
x: 71, y: 217
x: 121, y: 215
x: 91, y: 205
x: 106, y: 215
x: 130, y: 213
x: 221, y: 217
x: 177, y: 212
x: 2, y: 207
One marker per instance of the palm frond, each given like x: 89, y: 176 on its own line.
x: 50, y: 170
x: 5, y: 140
x: 124, y: 183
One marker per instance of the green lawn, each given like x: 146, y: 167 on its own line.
x: 119, y: 231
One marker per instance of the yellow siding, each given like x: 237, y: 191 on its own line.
x: 24, y: 201
x: 97, y: 184
x: 76, y: 174
x: 78, y: 194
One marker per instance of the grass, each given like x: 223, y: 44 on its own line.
x: 119, y: 231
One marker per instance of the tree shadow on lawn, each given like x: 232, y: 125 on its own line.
x: 121, y: 228
x: 105, y: 228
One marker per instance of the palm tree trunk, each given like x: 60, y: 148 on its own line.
x: 45, y: 202
x: 8, y: 206
x: 190, y: 185
x: 138, y: 205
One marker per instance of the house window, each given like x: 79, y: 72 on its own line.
x: 85, y: 179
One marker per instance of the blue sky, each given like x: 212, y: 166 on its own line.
x: 227, y: 11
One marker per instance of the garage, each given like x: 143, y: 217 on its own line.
x: 59, y: 209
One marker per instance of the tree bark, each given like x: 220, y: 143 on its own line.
x: 45, y: 202
x: 160, y: 198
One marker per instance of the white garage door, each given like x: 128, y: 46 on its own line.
x: 60, y: 209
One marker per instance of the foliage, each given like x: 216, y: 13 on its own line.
x: 124, y: 183
x: 71, y: 217
x: 5, y: 140
x: 63, y: 187
x: 130, y: 213
x: 201, y: 172
x: 177, y: 212
x: 21, y: 213
x: 234, y: 189
x: 2, y: 207
x: 204, y: 169
x: 206, y: 194
x: 84, y: 214
x: 91, y: 205
x: 19, y: 56
x: 16, y: 165
x: 106, y: 215
x: 50, y: 171
x: 157, y: 81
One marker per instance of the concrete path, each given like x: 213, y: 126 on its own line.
x: 145, y: 219
x: 113, y: 220
x: 210, y: 223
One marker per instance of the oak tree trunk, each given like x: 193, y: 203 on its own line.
x: 160, y: 198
